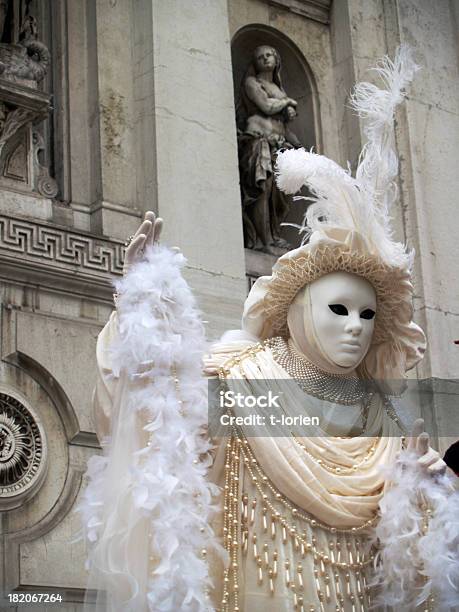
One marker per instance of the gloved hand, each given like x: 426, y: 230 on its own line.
x: 147, y: 234
x: 429, y: 458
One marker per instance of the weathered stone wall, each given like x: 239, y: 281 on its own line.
x: 427, y: 133
x: 55, y: 297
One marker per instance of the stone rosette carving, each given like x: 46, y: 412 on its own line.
x: 23, y: 452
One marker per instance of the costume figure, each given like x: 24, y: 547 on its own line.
x: 299, y: 513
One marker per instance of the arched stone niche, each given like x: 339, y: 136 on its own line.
x: 299, y: 83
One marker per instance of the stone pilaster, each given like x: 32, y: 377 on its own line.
x: 196, y: 151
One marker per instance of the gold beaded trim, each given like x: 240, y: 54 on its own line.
x: 223, y: 373
x: 251, y: 462
x: 225, y: 370
x: 231, y: 525
x: 338, y: 469
x: 238, y: 517
x: 236, y: 530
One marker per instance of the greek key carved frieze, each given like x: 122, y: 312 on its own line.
x: 48, y: 244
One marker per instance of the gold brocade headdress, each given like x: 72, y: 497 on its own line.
x: 348, y: 228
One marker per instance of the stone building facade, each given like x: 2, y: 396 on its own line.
x: 109, y: 108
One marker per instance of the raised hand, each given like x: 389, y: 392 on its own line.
x: 147, y: 234
x: 291, y: 113
x: 429, y: 458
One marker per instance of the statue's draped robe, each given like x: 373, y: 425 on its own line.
x: 339, y: 499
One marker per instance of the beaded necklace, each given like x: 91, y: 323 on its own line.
x: 338, y: 388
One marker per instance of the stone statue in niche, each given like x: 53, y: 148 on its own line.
x: 264, y: 112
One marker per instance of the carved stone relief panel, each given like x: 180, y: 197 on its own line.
x: 24, y: 62
x: 16, y: 163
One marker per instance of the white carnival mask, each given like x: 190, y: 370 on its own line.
x: 343, y: 308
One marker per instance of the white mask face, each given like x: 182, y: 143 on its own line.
x: 343, y: 308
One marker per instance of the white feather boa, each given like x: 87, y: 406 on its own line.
x: 160, y: 330
x: 414, y: 564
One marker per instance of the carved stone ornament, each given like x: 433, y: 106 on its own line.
x: 28, y: 61
x: 22, y: 66
x: 19, y: 106
x: 39, y: 243
x: 23, y: 453
x: 43, y: 182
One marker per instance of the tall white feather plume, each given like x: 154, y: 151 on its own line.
x: 361, y: 203
x: 378, y: 163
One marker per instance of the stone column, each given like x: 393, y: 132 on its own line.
x: 116, y: 213
x: 433, y: 126
x: 168, y: 139
x: 76, y: 97
x: 358, y: 40
x: 196, y: 152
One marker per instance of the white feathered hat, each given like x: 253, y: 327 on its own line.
x: 348, y: 227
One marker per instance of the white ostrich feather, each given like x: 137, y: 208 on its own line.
x: 362, y: 203
x: 378, y: 163
x: 296, y: 168
x: 159, y: 329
